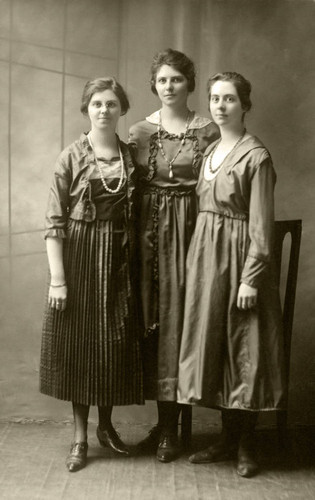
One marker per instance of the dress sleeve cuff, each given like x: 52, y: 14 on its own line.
x: 55, y: 233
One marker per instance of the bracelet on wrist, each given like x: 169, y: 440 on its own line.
x: 58, y: 286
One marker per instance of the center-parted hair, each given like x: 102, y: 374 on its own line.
x: 177, y: 60
x: 243, y: 86
x: 99, y: 85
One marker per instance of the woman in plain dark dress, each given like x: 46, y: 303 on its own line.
x: 232, y: 346
x: 168, y: 147
x: 90, y: 347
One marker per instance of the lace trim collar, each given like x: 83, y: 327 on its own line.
x: 196, y: 123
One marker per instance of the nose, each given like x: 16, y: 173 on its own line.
x: 104, y: 108
x: 221, y: 104
x: 169, y: 84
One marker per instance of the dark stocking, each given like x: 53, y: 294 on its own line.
x: 231, y: 428
x: 168, y: 412
x: 105, y: 417
x: 80, y: 416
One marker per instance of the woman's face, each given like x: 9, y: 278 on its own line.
x: 104, y: 110
x: 225, y: 105
x: 171, y: 86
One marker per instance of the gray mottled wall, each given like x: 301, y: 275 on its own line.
x: 48, y: 49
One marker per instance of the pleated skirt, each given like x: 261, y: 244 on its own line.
x: 90, y: 352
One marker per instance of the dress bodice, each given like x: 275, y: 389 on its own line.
x: 229, y: 192
x: 154, y: 169
x: 108, y: 205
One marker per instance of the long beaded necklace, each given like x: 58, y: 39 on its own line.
x: 121, y: 178
x: 182, y: 142
x: 214, y: 170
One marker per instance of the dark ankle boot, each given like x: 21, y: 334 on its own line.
x: 217, y: 452
x: 110, y: 439
x: 225, y: 447
x: 246, y: 457
x: 151, y: 442
x: 168, y: 448
x: 77, y: 457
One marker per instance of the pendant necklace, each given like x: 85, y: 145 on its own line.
x: 182, y: 142
x: 214, y: 170
x: 121, y: 178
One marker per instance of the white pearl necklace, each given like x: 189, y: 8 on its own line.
x: 182, y: 142
x: 122, y: 169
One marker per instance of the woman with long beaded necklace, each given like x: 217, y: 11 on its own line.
x: 90, y: 346
x: 168, y: 148
x: 232, y: 346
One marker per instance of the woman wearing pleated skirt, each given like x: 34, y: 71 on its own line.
x: 90, y: 347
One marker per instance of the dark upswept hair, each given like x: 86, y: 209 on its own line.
x: 243, y: 86
x: 176, y: 60
x: 99, y: 85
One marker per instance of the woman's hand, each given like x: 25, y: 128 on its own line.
x: 246, y: 297
x: 57, y: 297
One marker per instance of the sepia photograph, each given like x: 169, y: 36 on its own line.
x: 157, y: 263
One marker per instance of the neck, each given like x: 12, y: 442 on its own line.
x: 103, y: 137
x: 177, y: 113
x: 230, y: 135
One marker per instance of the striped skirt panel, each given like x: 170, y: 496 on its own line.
x: 90, y: 352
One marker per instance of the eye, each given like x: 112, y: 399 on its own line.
x: 214, y: 98
x: 230, y: 99
x: 111, y: 104
x: 161, y: 80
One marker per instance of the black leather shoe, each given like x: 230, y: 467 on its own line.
x: 76, y: 459
x: 246, y: 463
x: 151, y: 442
x: 168, y: 448
x: 110, y: 439
x: 215, y: 453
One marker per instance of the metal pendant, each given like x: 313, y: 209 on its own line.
x: 171, y: 174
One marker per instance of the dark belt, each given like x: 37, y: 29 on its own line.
x: 230, y: 216
x: 168, y: 191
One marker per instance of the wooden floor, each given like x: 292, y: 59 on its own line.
x: 32, y: 466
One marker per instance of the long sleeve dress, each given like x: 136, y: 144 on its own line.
x: 233, y: 358
x: 90, y: 352
x: 167, y: 213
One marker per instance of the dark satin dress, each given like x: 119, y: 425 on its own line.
x: 167, y: 215
x: 232, y: 358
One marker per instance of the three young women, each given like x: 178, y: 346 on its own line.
x: 230, y: 354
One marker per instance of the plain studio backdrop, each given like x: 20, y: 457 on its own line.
x: 48, y: 50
